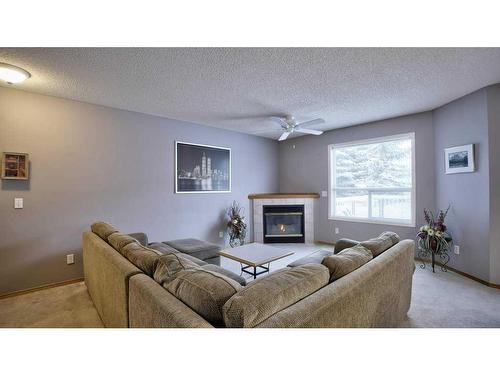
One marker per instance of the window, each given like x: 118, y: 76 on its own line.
x: 373, y: 180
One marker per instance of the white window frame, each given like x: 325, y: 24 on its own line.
x: 371, y: 220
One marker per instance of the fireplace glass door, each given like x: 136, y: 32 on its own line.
x: 283, y: 224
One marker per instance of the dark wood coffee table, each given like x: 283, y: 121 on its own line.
x: 255, y: 255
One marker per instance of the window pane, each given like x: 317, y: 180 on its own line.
x: 392, y: 205
x: 351, y: 203
x: 377, y: 165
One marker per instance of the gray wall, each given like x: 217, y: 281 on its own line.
x: 305, y: 168
x: 460, y: 122
x: 93, y: 163
x: 493, y: 93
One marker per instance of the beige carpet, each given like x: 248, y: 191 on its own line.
x: 67, y: 306
x: 439, y: 300
x: 448, y: 300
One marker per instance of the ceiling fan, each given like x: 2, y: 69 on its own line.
x: 290, y: 125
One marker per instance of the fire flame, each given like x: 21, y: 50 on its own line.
x: 282, y: 228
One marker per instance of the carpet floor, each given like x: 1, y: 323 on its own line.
x: 67, y: 306
x: 439, y: 300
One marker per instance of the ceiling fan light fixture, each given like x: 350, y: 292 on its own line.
x: 13, y: 74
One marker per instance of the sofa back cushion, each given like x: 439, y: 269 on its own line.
x: 268, y: 295
x: 215, y: 268
x: 103, y: 230
x: 142, y: 257
x: 203, y: 291
x: 380, y: 244
x: 344, y: 243
x: 347, y: 261
x: 119, y: 240
x: 141, y: 237
x: 162, y: 248
x: 169, y: 265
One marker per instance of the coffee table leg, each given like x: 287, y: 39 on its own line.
x: 254, y: 273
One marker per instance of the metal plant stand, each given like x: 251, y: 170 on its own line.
x: 442, y: 255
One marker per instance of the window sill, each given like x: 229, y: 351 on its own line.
x: 366, y: 221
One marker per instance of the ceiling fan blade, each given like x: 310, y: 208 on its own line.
x: 279, y: 121
x: 284, y: 136
x: 311, y: 122
x: 308, y: 131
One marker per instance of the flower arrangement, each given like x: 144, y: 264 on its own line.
x: 433, y: 238
x: 236, y: 226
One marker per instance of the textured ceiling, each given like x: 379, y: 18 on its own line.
x: 237, y: 88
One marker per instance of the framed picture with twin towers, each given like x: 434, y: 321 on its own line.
x: 202, y: 168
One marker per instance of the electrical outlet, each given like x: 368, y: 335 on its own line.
x: 337, y: 230
x: 70, y: 258
x: 456, y: 249
x: 221, y: 234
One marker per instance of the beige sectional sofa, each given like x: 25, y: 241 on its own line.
x: 133, y: 285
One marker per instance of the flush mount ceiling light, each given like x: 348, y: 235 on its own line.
x: 13, y: 74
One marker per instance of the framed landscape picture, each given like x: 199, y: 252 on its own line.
x: 202, y: 168
x: 459, y: 159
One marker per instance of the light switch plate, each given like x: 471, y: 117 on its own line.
x: 324, y: 193
x: 337, y: 230
x: 70, y: 258
x: 18, y: 203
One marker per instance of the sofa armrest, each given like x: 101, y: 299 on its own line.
x: 107, y: 275
x: 141, y: 237
x: 344, y: 243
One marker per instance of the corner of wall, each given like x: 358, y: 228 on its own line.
x: 493, y: 105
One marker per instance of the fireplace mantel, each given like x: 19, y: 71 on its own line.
x: 283, y: 195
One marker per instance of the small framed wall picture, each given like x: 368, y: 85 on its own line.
x: 15, y: 166
x: 459, y: 159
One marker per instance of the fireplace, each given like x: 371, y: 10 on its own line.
x: 283, y: 224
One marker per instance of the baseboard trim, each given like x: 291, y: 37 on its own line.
x: 43, y: 287
x: 465, y: 274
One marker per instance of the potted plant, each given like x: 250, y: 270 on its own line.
x: 433, y: 239
x: 236, y: 226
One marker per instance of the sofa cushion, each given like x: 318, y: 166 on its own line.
x: 275, y: 292
x: 103, y: 230
x: 203, y: 291
x: 197, y: 248
x: 196, y: 261
x: 169, y: 265
x: 142, y: 257
x: 162, y: 248
x: 119, y: 241
x: 316, y: 257
x: 380, y: 244
x: 141, y: 237
x: 344, y: 243
x: 212, y: 267
x: 347, y: 261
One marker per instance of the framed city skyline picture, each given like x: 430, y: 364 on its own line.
x: 202, y: 168
x: 459, y: 159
